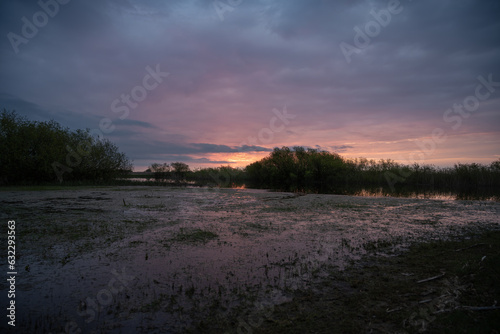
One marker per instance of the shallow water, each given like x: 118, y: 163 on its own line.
x: 78, y: 244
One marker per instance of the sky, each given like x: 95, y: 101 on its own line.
x: 223, y: 82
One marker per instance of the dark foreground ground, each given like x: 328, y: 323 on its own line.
x: 198, y: 260
x: 383, y: 295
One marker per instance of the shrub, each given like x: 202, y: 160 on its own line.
x: 37, y: 152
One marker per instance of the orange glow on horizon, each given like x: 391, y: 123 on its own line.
x: 240, y: 159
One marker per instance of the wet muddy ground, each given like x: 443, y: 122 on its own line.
x: 164, y: 259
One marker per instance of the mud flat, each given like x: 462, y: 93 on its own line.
x: 161, y: 259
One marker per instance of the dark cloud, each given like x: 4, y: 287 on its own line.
x: 341, y: 148
x: 211, y: 148
x: 189, y: 159
x: 131, y: 122
x: 337, y: 148
x: 159, y: 148
x: 226, y: 76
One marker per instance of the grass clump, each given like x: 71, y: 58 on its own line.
x: 194, y: 236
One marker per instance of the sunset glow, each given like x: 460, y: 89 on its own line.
x: 181, y: 81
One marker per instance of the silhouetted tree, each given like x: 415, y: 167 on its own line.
x: 299, y: 169
x: 179, y: 170
x: 34, y: 152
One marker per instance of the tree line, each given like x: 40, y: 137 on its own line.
x: 311, y: 170
x: 33, y: 152
x: 179, y: 172
x: 300, y: 169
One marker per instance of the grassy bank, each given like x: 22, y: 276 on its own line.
x: 383, y: 294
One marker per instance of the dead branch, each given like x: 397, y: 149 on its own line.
x: 425, y: 301
x: 469, y: 308
x: 431, y: 278
x: 393, y: 310
x: 480, y: 308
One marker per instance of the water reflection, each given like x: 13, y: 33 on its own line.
x: 262, y: 246
x: 482, y: 194
x: 422, y: 192
x: 486, y: 194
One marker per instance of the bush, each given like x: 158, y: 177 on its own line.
x: 40, y: 152
x: 311, y: 170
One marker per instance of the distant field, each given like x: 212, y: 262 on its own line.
x: 169, y: 259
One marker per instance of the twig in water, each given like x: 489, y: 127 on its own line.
x: 393, y: 310
x: 425, y: 301
x: 469, y: 308
x: 480, y: 308
x: 431, y: 278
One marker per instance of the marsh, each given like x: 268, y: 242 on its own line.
x: 165, y: 259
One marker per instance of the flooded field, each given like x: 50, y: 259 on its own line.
x: 164, y: 259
